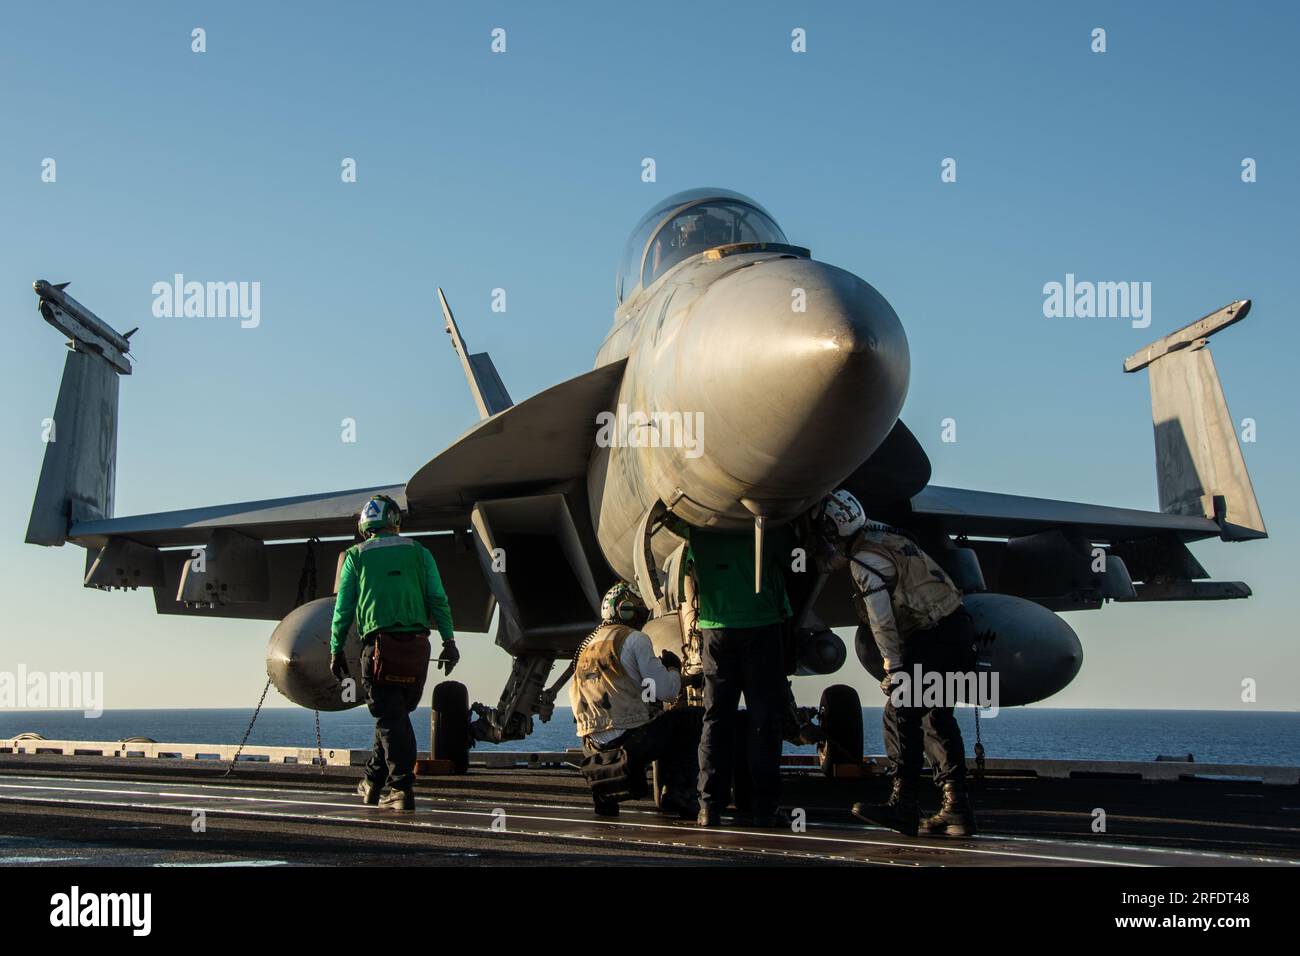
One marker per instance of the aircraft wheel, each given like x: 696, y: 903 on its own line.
x: 450, y: 737
x: 840, y: 716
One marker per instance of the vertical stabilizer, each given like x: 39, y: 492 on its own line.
x: 485, y: 384
x: 1199, y: 466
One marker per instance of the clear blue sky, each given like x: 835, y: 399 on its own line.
x: 522, y: 171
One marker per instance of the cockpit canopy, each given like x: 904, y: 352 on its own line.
x: 684, y: 225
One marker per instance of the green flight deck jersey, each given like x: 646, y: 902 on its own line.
x: 724, y: 571
x: 389, y: 583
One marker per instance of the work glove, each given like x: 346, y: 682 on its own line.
x: 670, y: 660
x: 339, y: 666
x: 450, y: 657
x: 887, y: 685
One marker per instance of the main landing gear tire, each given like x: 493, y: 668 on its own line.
x: 450, y: 738
x: 840, y: 717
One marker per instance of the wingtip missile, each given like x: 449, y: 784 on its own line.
x: 87, y: 331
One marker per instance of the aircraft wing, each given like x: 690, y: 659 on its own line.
x: 249, y: 546
x: 1067, y: 555
x: 900, y: 470
x: 539, y: 443
x: 987, y: 513
x: 1064, y: 555
x: 332, y: 514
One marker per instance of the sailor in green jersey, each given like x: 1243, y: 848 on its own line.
x: 391, y: 587
x: 741, y: 633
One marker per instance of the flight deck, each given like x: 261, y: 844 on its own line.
x: 86, y: 809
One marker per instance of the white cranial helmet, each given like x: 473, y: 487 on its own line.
x: 622, y: 604
x: 841, y: 515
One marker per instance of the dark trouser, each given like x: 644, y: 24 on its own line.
x: 393, y: 761
x: 911, y: 731
x: 672, y: 738
x: 744, y: 660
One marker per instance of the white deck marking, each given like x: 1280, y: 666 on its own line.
x: 805, y: 844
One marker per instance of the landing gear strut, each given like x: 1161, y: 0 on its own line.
x: 525, y: 694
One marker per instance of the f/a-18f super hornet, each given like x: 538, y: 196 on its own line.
x: 742, y: 380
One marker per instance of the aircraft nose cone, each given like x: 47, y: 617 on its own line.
x: 800, y: 370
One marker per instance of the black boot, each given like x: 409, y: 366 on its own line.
x: 776, y: 820
x: 955, y: 817
x: 680, y: 802
x: 397, y: 798
x: 900, y: 812
x: 708, y: 817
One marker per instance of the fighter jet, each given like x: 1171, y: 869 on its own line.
x: 741, y: 381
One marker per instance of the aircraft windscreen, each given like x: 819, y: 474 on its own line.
x: 702, y: 227
x: 711, y: 217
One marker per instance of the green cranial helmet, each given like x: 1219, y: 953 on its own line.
x: 380, y: 513
x: 622, y: 604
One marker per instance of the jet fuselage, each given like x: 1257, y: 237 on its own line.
x: 757, y: 379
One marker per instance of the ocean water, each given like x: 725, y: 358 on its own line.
x: 1241, y: 737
